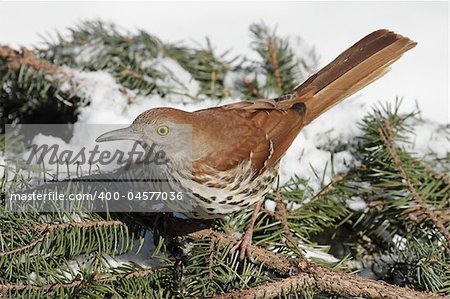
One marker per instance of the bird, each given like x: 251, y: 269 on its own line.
x: 228, y: 156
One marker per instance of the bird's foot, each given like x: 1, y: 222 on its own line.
x: 244, y: 246
x: 245, y: 243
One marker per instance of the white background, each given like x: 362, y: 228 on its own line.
x: 422, y: 74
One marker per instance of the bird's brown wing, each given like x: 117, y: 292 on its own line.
x: 253, y: 131
x: 280, y: 126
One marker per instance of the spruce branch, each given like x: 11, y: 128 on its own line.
x: 282, y: 214
x: 280, y: 64
x: 274, y: 289
x: 48, y: 228
x: 30, y: 90
x: 308, y: 274
x: 37, y: 251
x: 205, y: 65
x: 444, y: 178
x: 25, y: 57
x: 276, y: 262
x: 272, y: 49
x: 7, y: 288
x: 388, y: 136
x: 330, y: 187
x: 26, y: 246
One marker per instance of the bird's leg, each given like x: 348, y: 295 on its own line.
x: 244, y: 244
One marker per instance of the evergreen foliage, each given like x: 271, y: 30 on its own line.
x: 28, y: 96
x: 401, y: 236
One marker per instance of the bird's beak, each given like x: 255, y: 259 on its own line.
x: 120, y: 134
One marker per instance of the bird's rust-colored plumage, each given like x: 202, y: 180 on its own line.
x: 236, y: 148
x: 266, y: 128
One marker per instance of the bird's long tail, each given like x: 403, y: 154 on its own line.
x: 358, y: 66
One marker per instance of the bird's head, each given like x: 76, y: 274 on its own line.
x: 168, y: 129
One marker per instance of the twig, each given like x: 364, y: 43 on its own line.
x: 86, y: 224
x: 273, y: 289
x: 445, y: 179
x: 135, y: 274
x: 272, y: 48
x: 389, y: 142
x: 339, y: 177
x: 47, y: 229
x: 306, y: 274
x: 131, y: 73
x: 5, y: 288
x: 46, y: 226
x: 26, y: 57
x: 281, y: 214
x: 276, y: 262
x: 26, y: 246
x: 213, y: 82
x: 212, y: 246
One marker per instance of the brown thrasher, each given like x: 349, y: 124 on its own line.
x: 236, y: 148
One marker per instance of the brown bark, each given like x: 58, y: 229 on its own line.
x: 24, y: 57
x: 301, y: 274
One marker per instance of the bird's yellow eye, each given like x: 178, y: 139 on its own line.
x: 162, y: 130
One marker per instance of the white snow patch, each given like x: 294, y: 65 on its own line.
x: 142, y: 258
x: 357, y: 204
x: 270, y: 205
x: 306, y: 155
x: 169, y: 66
x: 428, y: 138
x: 3, y: 166
x: 399, y: 242
x: 312, y: 253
